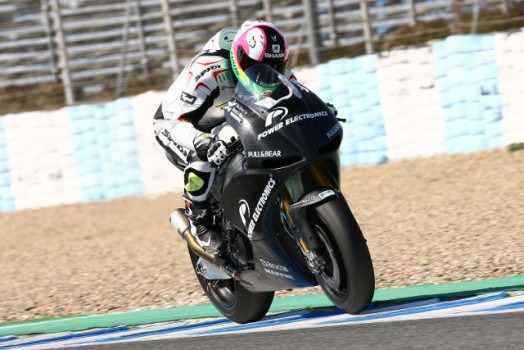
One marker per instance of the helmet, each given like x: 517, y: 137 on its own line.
x: 257, y: 42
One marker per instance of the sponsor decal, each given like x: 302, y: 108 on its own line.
x: 270, y: 268
x: 184, y: 152
x: 274, y: 37
x: 276, y: 48
x: 230, y: 105
x: 308, y: 200
x: 326, y: 194
x: 180, y: 151
x: 273, y: 266
x: 263, y: 154
x: 274, y: 55
x: 235, y: 110
x: 252, y: 43
x: 268, y: 84
x: 333, y: 130
x: 244, y: 211
x: 292, y: 120
x: 187, y: 98
x: 271, y: 130
x: 280, y: 274
x: 260, y: 205
x: 208, y: 69
x: 278, y: 113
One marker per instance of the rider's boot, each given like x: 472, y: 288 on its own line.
x: 199, y: 177
x: 202, y: 228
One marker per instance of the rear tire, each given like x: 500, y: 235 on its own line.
x: 232, y: 299
x: 348, y: 278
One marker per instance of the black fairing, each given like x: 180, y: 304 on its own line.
x: 303, y: 134
x: 278, y: 141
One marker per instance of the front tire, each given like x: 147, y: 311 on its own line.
x: 348, y: 278
x: 232, y: 299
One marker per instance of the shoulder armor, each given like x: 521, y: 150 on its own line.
x: 207, y: 72
x: 221, y: 40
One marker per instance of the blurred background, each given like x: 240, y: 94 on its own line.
x: 82, y: 79
x: 55, y: 52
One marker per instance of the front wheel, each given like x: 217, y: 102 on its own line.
x: 347, y: 278
x: 232, y: 299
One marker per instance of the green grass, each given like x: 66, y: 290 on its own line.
x: 516, y: 147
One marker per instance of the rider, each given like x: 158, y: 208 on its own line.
x: 191, y: 113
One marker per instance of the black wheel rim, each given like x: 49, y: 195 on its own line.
x: 333, y: 276
x: 223, y: 291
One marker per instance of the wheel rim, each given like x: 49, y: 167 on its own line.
x: 223, y: 291
x: 333, y: 274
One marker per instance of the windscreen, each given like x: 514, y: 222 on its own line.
x: 266, y: 87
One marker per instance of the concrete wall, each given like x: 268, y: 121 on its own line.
x: 461, y: 94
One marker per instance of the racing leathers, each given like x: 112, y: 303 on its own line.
x: 187, y: 125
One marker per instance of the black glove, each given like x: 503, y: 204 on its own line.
x: 218, y: 152
x: 332, y: 108
x: 202, y: 143
x: 209, y: 148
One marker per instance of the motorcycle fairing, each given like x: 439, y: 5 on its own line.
x: 299, y: 212
x: 273, y: 269
x: 278, y: 142
x: 309, y: 133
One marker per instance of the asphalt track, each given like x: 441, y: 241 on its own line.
x: 489, y: 321
x: 492, y: 331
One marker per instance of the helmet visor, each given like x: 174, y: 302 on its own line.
x: 246, y: 62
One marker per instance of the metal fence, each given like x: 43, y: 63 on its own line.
x: 91, y: 46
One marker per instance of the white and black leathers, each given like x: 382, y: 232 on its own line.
x: 194, y: 104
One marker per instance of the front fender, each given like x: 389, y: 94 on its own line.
x: 300, y: 213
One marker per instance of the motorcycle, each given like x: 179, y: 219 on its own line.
x: 279, y: 206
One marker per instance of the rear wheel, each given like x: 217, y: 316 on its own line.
x: 232, y: 299
x: 347, y: 278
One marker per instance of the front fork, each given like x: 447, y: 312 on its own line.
x: 301, y: 226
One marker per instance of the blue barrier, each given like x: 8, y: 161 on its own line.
x: 7, y: 201
x: 105, y: 150
x: 467, y: 82
x: 352, y: 86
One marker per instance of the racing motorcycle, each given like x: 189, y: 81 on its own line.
x: 279, y: 207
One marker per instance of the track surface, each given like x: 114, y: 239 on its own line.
x: 499, y: 331
x: 486, y: 321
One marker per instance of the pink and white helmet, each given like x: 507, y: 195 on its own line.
x: 258, y: 42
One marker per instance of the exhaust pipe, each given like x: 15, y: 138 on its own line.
x: 180, y: 222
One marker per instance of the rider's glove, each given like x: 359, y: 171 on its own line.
x: 332, y: 108
x: 209, y: 148
x: 218, y: 152
x: 202, y: 144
